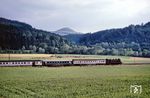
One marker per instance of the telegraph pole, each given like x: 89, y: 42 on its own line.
x: 9, y: 55
x: 134, y: 60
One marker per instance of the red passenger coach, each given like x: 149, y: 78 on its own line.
x: 89, y: 61
x: 21, y: 63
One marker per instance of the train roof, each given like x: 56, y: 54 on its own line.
x: 86, y: 59
x: 18, y: 60
x: 56, y: 60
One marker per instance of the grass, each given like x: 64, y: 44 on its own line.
x: 74, y: 82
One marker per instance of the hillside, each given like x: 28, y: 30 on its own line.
x: 75, y: 38
x: 8, y: 22
x: 16, y: 35
x: 132, y: 33
x: 65, y: 31
x: 133, y: 40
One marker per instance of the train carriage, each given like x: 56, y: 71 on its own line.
x: 20, y: 63
x: 89, y: 61
x: 57, y: 63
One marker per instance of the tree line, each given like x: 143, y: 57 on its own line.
x: 16, y: 37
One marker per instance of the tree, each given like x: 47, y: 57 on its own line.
x: 23, y: 48
x: 65, y: 48
x: 41, y: 50
x: 129, y: 52
x: 114, y: 51
x: 34, y: 48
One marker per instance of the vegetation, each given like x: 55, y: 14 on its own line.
x: 133, y: 40
x: 17, y: 37
x: 74, y: 82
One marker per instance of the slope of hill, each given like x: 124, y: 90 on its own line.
x: 133, y: 40
x: 74, y: 38
x: 14, y: 23
x: 65, y: 31
x: 132, y: 33
x: 16, y: 35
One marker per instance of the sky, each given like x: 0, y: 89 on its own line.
x: 81, y: 15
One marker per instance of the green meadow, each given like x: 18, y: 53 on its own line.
x: 74, y: 82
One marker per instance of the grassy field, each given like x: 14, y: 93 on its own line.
x: 74, y: 82
x: 125, y: 59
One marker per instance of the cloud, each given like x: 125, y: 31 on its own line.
x: 84, y: 16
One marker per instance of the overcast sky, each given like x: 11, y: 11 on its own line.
x: 80, y: 15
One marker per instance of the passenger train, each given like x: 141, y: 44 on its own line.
x: 50, y: 63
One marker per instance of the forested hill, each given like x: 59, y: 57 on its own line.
x: 132, y: 33
x: 16, y: 35
x: 14, y: 23
x: 132, y: 40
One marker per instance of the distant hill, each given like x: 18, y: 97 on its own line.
x: 133, y: 40
x: 132, y: 33
x: 65, y: 31
x: 16, y: 35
